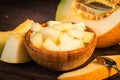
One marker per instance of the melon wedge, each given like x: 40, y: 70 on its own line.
x: 92, y: 71
x: 14, y: 50
x: 22, y: 28
x: 107, y: 29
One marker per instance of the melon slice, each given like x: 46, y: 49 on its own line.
x: 107, y: 29
x: 92, y: 71
x: 22, y: 28
x: 14, y: 50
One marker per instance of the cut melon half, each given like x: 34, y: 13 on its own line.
x: 107, y: 29
x: 93, y: 71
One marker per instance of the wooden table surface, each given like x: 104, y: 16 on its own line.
x: 14, y: 12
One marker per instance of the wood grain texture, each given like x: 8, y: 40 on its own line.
x: 14, y: 12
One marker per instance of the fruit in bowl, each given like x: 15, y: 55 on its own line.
x: 60, y: 46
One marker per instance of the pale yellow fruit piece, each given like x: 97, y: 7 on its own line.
x: 64, y: 38
x: 3, y: 39
x: 88, y: 36
x: 50, y: 45
x: 80, y: 26
x: 51, y: 33
x: 24, y: 27
x: 93, y: 71
x: 36, y: 27
x: 51, y: 23
x: 63, y: 26
x: 71, y: 45
x: 76, y: 33
x: 36, y: 39
x: 14, y: 50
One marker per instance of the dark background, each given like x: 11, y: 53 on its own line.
x: 13, y: 13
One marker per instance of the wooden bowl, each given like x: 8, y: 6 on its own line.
x: 60, y: 60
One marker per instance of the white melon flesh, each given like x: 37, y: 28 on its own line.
x: 36, y: 27
x: 71, y: 45
x: 76, y: 34
x: 14, y: 50
x: 64, y: 38
x: 106, y: 24
x: 51, y: 23
x: 88, y: 36
x: 36, y: 39
x: 50, y: 45
x: 93, y: 71
x: 63, y: 26
x: 51, y: 33
x: 65, y: 11
x: 107, y: 29
x: 22, y: 28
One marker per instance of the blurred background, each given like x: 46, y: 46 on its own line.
x: 14, y: 12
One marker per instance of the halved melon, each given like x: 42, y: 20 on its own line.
x: 104, y: 21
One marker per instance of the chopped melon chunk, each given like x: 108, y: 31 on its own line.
x: 36, y: 39
x: 50, y: 45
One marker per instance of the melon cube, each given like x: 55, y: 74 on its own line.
x: 36, y: 39
x: 63, y: 26
x: 50, y: 45
x: 51, y: 23
x: 71, y: 45
x: 36, y: 27
x: 51, y: 33
x: 88, y: 36
x: 80, y: 26
x: 64, y: 38
x: 76, y: 33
